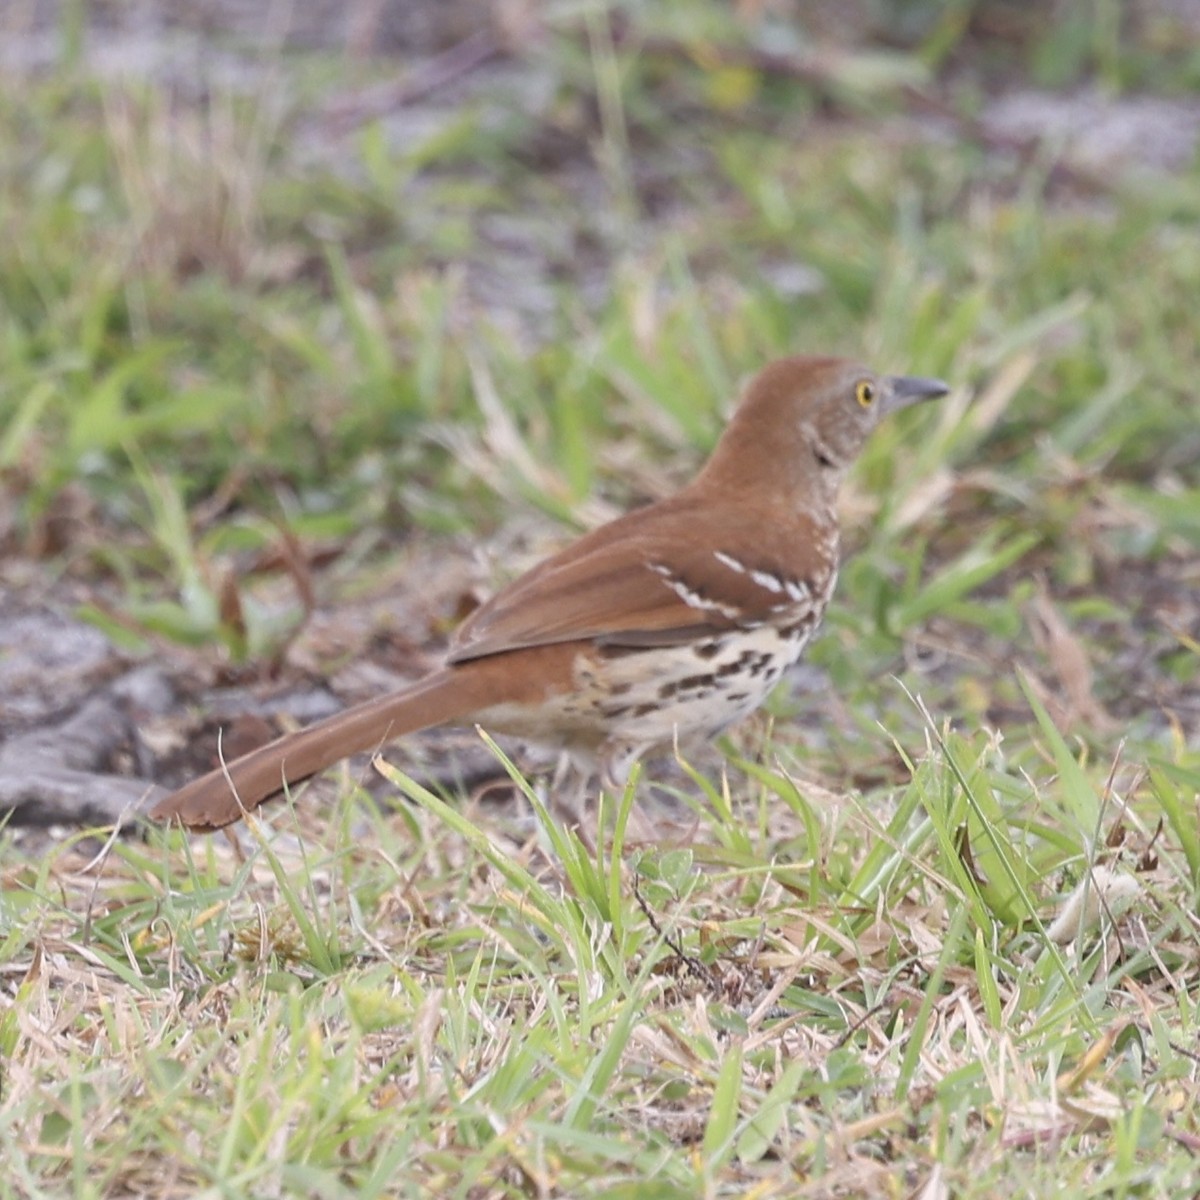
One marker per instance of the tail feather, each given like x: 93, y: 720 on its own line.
x: 225, y: 794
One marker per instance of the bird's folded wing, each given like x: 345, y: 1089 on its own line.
x: 649, y: 587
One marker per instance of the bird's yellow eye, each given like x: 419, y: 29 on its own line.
x: 864, y: 391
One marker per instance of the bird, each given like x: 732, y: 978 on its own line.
x: 670, y: 623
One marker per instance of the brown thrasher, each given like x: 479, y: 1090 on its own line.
x: 674, y: 620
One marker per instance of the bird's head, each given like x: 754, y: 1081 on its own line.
x: 802, y: 422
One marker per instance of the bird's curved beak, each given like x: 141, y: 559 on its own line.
x: 904, y: 390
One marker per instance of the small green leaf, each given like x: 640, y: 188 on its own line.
x: 723, y: 1113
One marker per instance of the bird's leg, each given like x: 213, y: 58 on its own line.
x: 570, y: 791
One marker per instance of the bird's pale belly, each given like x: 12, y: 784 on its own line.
x: 626, y: 702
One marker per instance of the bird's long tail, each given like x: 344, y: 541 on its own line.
x: 226, y: 793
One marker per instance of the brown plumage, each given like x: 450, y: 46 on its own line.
x: 673, y: 620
